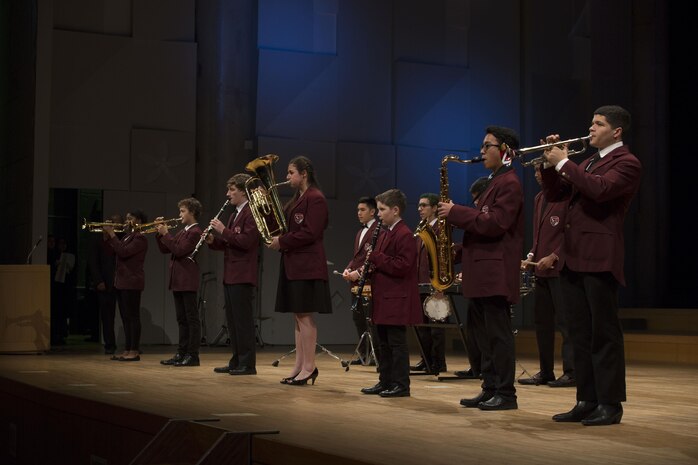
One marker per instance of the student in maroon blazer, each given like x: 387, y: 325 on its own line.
x: 129, y: 282
x: 599, y: 191
x: 184, y: 281
x: 366, y: 212
x: 239, y: 240
x: 303, y: 288
x: 548, y: 234
x: 433, y: 340
x: 492, y: 245
x: 395, y: 295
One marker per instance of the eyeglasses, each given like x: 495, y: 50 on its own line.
x: 486, y: 146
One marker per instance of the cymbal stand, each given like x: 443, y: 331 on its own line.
x: 324, y: 349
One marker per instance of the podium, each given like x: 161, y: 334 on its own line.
x: 25, y: 308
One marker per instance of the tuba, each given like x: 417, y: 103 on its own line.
x: 264, y: 200
x: 438, y: 244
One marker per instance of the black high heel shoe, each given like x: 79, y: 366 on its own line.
x: 286, y: 380
x: 304, y: 381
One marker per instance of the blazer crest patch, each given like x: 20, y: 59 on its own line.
x: 554, y: 221
x: 298, y: 217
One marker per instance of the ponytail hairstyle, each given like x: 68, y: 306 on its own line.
x: 303, y: 165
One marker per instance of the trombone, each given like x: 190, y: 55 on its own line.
x: 99, y: 227
x: 148, y: 228
x: 520, y: 153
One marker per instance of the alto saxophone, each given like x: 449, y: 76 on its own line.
x: 437, y: 240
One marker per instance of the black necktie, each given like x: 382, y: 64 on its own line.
x: 593, y: 160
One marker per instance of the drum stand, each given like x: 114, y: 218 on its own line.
x: 344, y: 363
x: 369, y: 353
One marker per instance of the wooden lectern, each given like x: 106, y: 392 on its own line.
x: 25, y: 308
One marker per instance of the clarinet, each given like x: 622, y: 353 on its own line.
x: 192, y: 256
x: 365, y: 272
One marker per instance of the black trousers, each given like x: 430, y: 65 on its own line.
x: 130, y: 310
x: 547, y: 306
x: 591, y: 305
x: 433, y: 342
x: 474, y: 353
x: 239, y: 313
x: 362, y: 325
x: 492, y: 326
x: 394, y: 361
x: 188, y: 322
x: 106, y: 302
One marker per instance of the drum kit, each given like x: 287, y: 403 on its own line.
x: 438, y: 307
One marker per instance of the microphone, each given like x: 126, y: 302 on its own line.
x: 29, y: 257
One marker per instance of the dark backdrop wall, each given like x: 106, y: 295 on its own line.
x: 152, y: 101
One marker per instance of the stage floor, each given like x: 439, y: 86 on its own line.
x: 660, y: 423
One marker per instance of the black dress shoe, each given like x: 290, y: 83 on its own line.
x: 377, y: 389
x: 420, y: 366
x: 578, y: 413
x: 225, y: 369
x: 482, y: 397
x: 137, y: 358
x: 356, y: 361
x: 243, y: 371
x: 604, y: 414
x: 538, y: 378
x: 189, y: 360
x: 563, y: 381
x: 397, y: 391
x: 467, y: 374
x: 304, y: 381
x: 176, y: 358
x: 498, y: 403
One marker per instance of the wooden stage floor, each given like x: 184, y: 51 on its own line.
x: 334, y: 420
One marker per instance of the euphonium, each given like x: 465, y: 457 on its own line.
x: 264, y: 199
x: 438, y: 244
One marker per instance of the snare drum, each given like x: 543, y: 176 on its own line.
x: 438, y: 307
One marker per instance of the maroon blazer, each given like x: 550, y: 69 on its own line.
x: 360, y: 249
x: 240, y: 243
x: 184, y: 273
x: 598, y: 202
x: 548, y: 233
x: 130, y: 255
x: 493, y: 239
x: 302, y: 247
x: 394, y: 289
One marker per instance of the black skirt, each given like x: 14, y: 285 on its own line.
x: 302, y: 295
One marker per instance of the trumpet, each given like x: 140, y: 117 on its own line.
x: 520, y: 153
x: 148, y: 228
x: 99, y: 227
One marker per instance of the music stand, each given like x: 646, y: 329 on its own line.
x: 201, y: 303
